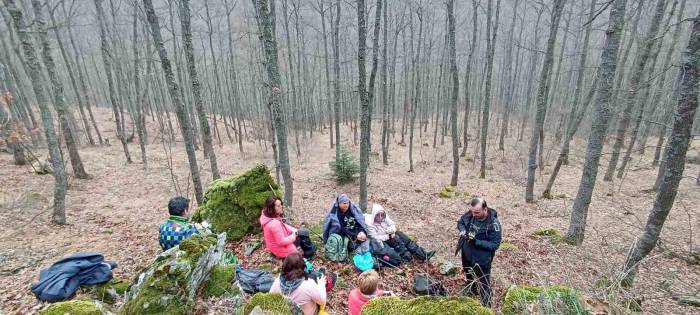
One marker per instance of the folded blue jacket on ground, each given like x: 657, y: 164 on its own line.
x: 64, y: 277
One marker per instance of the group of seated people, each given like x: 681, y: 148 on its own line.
x: 375, y: 233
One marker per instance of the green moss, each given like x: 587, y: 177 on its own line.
x: 550, y: 233
x: 233, y: 204
x: 270, y: 302
x: 221, y: 281
x: 166, y: 291
x: 418, y: 190
x: 449, y: 188
x: 542, y: 300
x: 74, y: 307
x: 444, y: 194
x: 108, y: 292
x: 425, y: 305
x: 507, y: 246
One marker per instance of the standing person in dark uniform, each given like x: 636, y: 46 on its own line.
x: 479, y: 238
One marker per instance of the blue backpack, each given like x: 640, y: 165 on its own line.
x: 364, y: 261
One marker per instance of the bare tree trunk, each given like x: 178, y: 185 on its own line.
x: 490, y: 51
x: 467, y: 77
x: 416, y: 95
x: 37, y: 79
x: 508, y: 78
x: 139, y: 100
x: 633, y: 87
x: 107, y: 60
x: 600, y: 122
x: 336, y: 77
x: 59, y: 100
x: 366, y: 92
x: 455, y: 91
x: 176, y: 97
x: 576, y: 115
x: 71, y: 75
x: 534, y: 59
x: 542, y: 95
x: 269, y: 44
x: 385, y: 105
x: 196, y: 87
x: 676, y: 150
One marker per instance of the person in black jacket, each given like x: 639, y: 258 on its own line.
x: 479, y: 237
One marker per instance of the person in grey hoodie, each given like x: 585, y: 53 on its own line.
x: 382, y: 229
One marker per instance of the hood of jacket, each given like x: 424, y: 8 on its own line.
x: 331, y: 224
x: 288, y: 286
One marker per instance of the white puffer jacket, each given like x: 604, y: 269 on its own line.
x: 379, y: 231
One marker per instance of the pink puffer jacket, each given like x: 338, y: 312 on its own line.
x: 279, y: 236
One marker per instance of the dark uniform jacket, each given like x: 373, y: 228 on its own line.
x: 487, y: 237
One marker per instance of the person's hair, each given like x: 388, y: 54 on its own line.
x: 293, y: 267
x: 476, y: 201
x: 269, y: 207
x: 368, y: 282
x: 178, y: 205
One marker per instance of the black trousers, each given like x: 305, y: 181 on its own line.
x: 478, y: 278
x: 405, y: 247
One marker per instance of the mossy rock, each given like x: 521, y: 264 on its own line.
x: 508, y: 246
x: 233, y: 204
x: 111, y: 290
x: 75, y: 307
x: 542, y: 300
x: 221, y: 281
x: 271, y: 303
x: 550, y: 233
x: 425, y: 305
x: 170, y: 284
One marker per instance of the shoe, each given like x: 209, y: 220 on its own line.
x: 429, y: 255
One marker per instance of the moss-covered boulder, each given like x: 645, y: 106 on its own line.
x: 542, y: 300
x: 170, y: 284
x: 221, y: 281
x: 425, y: 305
x: 109, y: 291
x: 233, y: 204
x: 75, y: 307
x: 271, y: 303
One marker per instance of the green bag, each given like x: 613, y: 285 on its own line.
x: 336, y: 248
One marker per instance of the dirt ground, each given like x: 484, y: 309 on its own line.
x: 117, y: 212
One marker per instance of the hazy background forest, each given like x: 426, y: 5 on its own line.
x: 560, y: 113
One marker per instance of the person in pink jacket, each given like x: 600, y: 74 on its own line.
x: 295, y: 285
x: 366, y: 290
x: 280, y: 237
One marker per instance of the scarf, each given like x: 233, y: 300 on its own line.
x: 288, y: 286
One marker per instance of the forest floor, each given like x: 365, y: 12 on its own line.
x: 117, y: 213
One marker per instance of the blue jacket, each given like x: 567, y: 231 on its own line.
x: 486, y: 241
x: 64, y: 277
x: 331, y: 224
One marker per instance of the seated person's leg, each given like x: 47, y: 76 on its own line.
x: 413, y: 247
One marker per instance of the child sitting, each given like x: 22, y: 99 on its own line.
x: 176, y: 228
x: 366, y: 290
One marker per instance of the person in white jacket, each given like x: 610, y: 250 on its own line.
x: 382, y: 229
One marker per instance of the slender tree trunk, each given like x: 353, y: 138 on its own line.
x: 416, y: 94
x: 534, y: 59
x: 336, y: 77
x: 196, y: 87
x: 366, y: 92
x: 542, y: 95
x: 176, y: 97
x: 59, y: 100
x: 139, y: 100
x: 467, y: 77
x: 508, y: 78
x: 269, y: 45
x: 576, y: 114
x: 600, y: 122
x: 385, y: 105
x: 107, y: 60
x: 37, y: 79
x: 491, y: 50
x: 455, y: 91
x: 633, y: 87
x: 675, y: 154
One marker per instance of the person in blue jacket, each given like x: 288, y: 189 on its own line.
x: 345, y: 219
x: 479, y: 238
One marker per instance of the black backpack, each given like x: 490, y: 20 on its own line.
x: 424, y: 285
